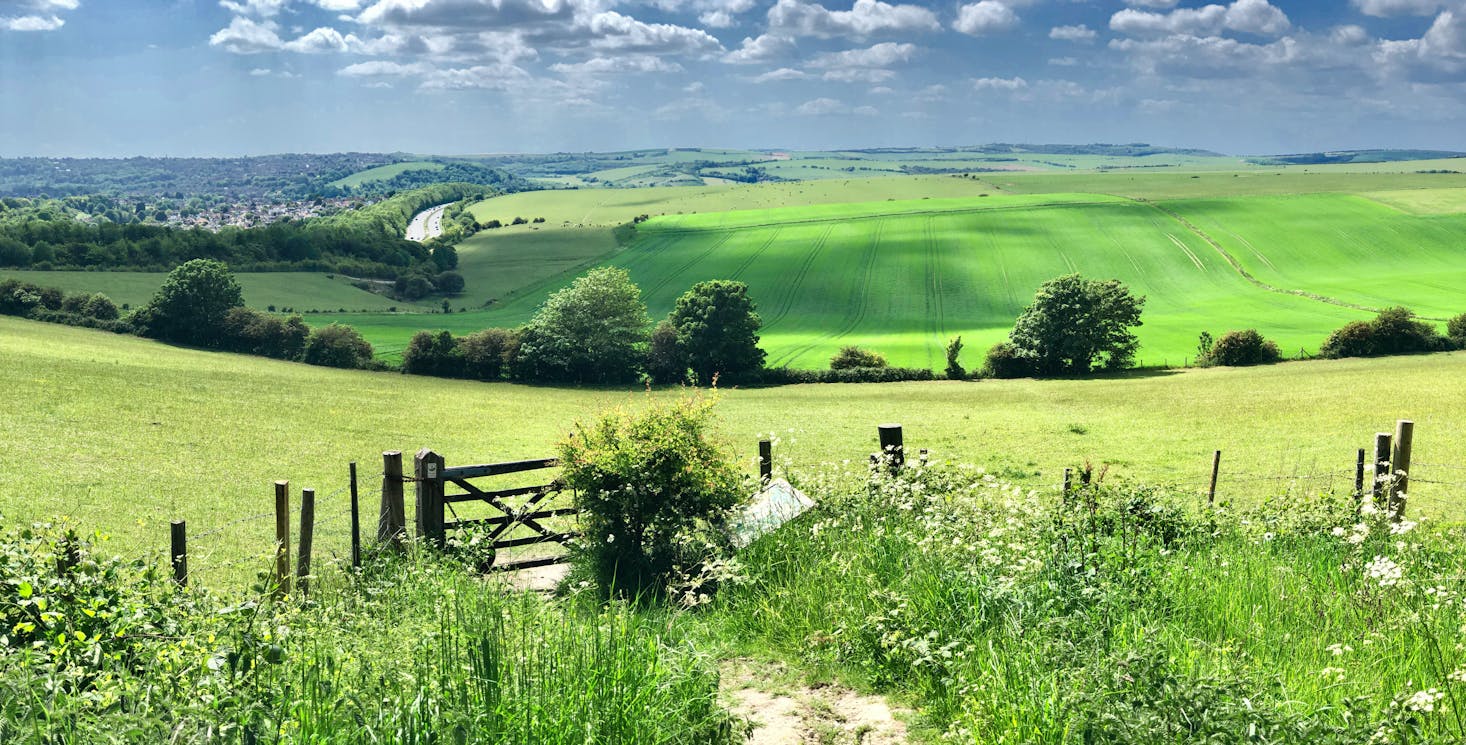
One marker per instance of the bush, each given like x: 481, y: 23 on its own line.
x: 1239, y: 348
x: 852, y: 356
x: 787, y: 376
x: 486, y: 354
x: 335, y: 345
x: 433, y: 354
x: 449, y: 283
x: 1456, y: 330
x: 1353, y: 339
x: 647, y: 484
x: 101, y: 307
x: 1006, y: 360
x: 594, y: 331
x: 955, y: 370
x: 664, y: 360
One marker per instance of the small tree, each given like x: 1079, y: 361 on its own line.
x: 1005, y: 360
x: 851, y: 356
x: 191, y: 305
x: 486, y: 353
x: 594, y: 331
x: 955, y: 371
x: 1204, y: 344
x: 1353, y: 339
x: 1239, y: 348
x: 717, y: 330
x: 335, y: 345
x: 664, y: 359
x: 1075, y: 324
x: 645, y: 484
x: 449, y: 283
x: 1456, y: 330
x: 1396, y: 331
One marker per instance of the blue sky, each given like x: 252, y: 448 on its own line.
x: 230, y: 77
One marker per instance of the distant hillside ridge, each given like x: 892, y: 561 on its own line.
x: 1354, y: 156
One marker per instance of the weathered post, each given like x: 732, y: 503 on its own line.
x: 1359, y: 478
x: 282, y: 539
x: 307, y: 537
x: 178, y: 551
x: 1400, y: 468
x: 1068, y: 484
x: 392, y: 520
x: 892, y: 448
x: 1216, y: 467
x: 355, y: 523
x: 1381, y: 467
x: 765, y: 462
x: 427, y: 468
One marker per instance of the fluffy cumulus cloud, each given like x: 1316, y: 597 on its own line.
x: 1073, y: 33
x: 832, y: 107
x: 985, y: 17
x: 1438, y: 55
x: 865, y: 18
x: 1386, y: 8
x: 762, y: 49
x: 999, y: 84
x: 34, y: 15
x: 1247, y: 16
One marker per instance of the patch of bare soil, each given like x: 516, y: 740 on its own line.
x: 789, y: 713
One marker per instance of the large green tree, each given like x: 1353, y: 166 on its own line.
x: 1075, y: 325
x: 594, y: 331
x: 192, y: 305
x: 717, y: 330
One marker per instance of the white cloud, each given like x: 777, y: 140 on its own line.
x: 1440, y: 52
x: 1152, y: 3
x: 865, y: 18
x: 781, y: 74
x: 1386, y: 8
x: 1209, y: 57
x: 35, y: 15
x: 1247, y: 16
x: 694, y: 87
x: 338, y: 6
x: 821, y: 107
x: 999, y: 84
x: 867, y: 75
x: 885, y: 54
x: 764, y: 48
x: 383, y: 68
x: 319, y: 41
x: 636, y: 63
x: 985, y: 17
x: 245, y: 36
x: 1063, y: 61
x: 32, y: 23
x: 1072, y: 33
x: 1349, y: 35
x: 256, y: 8
x: 614, y: 31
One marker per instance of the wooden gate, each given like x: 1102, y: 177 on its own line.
x: 517, y: 507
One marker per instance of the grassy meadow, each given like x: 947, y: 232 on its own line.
x: 124, y: 434
x: 382, y: 173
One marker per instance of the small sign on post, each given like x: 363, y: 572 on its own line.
x: 774, y: 505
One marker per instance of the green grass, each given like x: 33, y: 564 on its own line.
x: 382, y: 173
x: 1424, y: 201
x: 125, y: 434
x: 1262, y: 182
x: 300, y: 290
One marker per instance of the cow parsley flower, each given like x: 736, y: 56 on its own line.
x: 1384, y: 571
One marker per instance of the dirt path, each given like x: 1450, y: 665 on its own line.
x: 784, y: 711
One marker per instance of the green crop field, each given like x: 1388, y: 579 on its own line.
x: 300, y: 290
x: 124, y: 434
x: 382, y: 173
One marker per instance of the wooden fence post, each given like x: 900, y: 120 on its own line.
x: 282, y: 539
x: 1381, y: 467
x: 1068, y: 484
x: 392, y: 520
x: 1216, y: 467
x: 893, y: 450
x: 427, y: 468
x: 765, y: 462
x: 307, y: 537
x: 355, y: 523
x: 1400, y: 468
x: 178, y: 551
x: 1359, y: 479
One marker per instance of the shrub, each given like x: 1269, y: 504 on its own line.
x: 191, y: 305
x: 486, y: 353
x: 335, y: 345
x: 101, y: 307
x: 717, y: 330
x: 449, y: 283
x: 955, y: 371
x: 1246, y: 347
x: 646, y: 483
x: 664, y: 360
x: 1006, y: 360
x: 852, y: 356
x: 433, y: 354
x: 1456, y: 330
x: 1075, y: 324
x: 594, y: 331
x: 1353, y: 339
x: 787, y: 376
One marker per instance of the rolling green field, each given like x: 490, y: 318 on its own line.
x: 382, y: 173
x: 124, y: 434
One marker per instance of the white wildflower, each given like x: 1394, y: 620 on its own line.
x: 1385, y: 571
x: 1402, y: 527
x: 1339, y: 650
x: 1424, y: 700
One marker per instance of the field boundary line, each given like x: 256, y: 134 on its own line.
x: 883, y: 215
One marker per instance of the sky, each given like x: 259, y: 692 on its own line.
x: 240, y: 77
